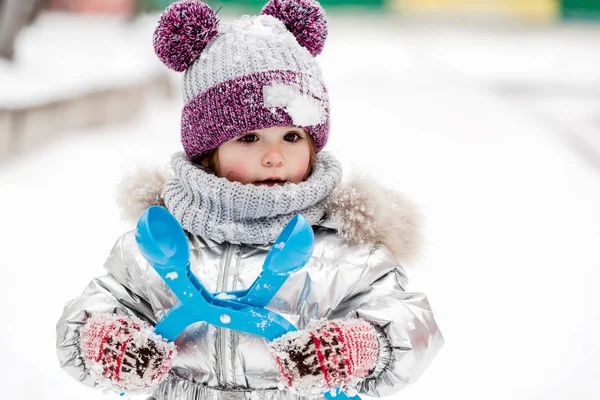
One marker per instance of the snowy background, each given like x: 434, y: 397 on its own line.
x: 490, y: 131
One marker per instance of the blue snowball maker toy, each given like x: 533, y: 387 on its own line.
x: 164, y: 244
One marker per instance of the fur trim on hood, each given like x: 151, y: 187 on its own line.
x: 368, y: 212
x: 365, y: 210
x: 138, y: 190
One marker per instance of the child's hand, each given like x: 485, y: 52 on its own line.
x: 124, y: 353
x: 327, y: 354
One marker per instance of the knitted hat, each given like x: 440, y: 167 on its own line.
x: 254, y: 73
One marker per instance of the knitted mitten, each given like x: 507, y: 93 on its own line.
x: 327, y: 354
x: 124, y: 354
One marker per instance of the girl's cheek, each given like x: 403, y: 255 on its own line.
x: 299, y: 176
x: 301, y: 168
x: 299, y: 172
x: 236, y: 171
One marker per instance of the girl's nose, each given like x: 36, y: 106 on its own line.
x: 273, y: 157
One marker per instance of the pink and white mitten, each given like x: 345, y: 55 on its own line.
x: 124, y: 353
x: 326, y: 355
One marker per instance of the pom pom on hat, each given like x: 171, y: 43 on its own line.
x: 184, y: 30
x: 305, y: 19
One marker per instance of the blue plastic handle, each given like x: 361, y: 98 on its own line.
x: 162, y: 240
x: 292, y: 248
x: 290, y: 252
x: 164, y: 244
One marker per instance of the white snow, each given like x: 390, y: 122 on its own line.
x: 278, y: 95
x: 260, y: 30
x: 262, y: 324
x: 513, y: 225
x: 172, y: 275
x: 303, y: 109
x: 225, y: 296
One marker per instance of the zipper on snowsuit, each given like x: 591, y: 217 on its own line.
x: 223, y: 333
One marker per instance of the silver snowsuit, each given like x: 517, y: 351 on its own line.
x: 339, y: 281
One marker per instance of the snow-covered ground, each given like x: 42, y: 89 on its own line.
x: 513, y: 221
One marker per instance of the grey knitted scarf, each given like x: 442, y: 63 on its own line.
x: 225, y: 211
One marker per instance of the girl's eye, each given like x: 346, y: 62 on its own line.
x: 249, y: 138
x: 292, y: 137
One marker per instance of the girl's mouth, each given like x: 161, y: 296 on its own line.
x: 270, y: 182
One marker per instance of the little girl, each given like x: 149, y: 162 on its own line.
x: 255, y: 121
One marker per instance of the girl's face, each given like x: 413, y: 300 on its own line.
x: 270, y: 156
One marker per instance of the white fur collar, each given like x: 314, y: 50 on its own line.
x: 364, y: 210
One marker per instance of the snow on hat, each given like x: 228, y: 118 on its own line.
x: 254, y: 73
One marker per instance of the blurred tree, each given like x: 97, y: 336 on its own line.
x: 581, y: 9
x: 14, y: 15
x: 254, y: 5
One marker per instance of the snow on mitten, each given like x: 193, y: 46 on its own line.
x: 327, y: 354
x: 124, y: 353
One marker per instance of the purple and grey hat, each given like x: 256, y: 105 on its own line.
x: 256, y: 72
